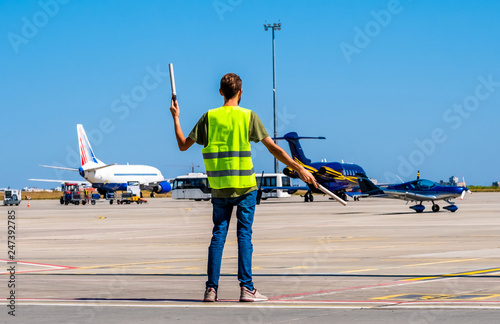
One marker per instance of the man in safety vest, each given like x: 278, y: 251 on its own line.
x: 226, y: 133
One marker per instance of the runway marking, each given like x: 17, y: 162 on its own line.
x: 360, y: 270
x: 462, y: 274
x: 340, y: 304
x: 408, y: 265
x: 396, y: 283
x: 50, y: 266
x: 428, y: 297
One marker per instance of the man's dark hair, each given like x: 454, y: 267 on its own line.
x: 230, y: 84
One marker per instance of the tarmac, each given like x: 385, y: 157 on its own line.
x: 373, y: 261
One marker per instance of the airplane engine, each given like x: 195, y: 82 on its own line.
x: 82, y: 172
x: 289, y: 172
x: 162, y: 187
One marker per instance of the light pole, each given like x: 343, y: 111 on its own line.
x: 274, y: 27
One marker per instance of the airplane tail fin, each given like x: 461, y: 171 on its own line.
x: 295, y: 148
x: 87, y: 155
x: 368, y: 187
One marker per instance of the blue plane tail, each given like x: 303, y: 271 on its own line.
x: 368, y: 187
x: 295, y: 148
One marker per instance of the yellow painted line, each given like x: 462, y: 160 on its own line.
x: 429, y: 263
x: 451, y: 275
x: 360, y: 270
x: 389, y: 297
x: 408, y: 265
x: 486, y: 297
x: 436, y: 297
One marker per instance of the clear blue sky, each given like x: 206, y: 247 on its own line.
x: 394, y: 86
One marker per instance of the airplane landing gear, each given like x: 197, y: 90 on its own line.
x: 435, y: 208
x: 308, y: 197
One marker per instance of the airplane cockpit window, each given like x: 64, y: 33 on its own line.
x: 410, y: 186
x: 426, y: 184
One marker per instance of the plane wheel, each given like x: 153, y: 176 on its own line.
x: 152, y: 195
x: 435, y: 208
x: 306, y: 198
x: 311, y: 197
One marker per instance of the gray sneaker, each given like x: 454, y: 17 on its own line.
x: 248, y: 295
x: 210, y: 295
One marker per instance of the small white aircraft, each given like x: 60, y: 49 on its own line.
x: 113, y: 177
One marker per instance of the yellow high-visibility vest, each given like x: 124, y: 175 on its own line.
x: 227, y: 157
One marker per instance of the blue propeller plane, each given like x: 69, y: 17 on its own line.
x: 334, y: 176
x: 419, y: 190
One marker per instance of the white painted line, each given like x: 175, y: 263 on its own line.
x: 275, y: 305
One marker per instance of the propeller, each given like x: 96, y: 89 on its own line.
x: 465, y: 189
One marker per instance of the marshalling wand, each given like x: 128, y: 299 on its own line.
x: 331, y: 194
x: 172, y: 81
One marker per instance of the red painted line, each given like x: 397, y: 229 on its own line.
x: 54, y: 266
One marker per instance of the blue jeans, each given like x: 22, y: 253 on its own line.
x: 222, y: 209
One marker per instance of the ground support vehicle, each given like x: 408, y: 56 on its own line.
x: 110, y: 196
x: 71, y: 194
x: 128, y: 198
x: 133, y: 194
x: 12, y: 197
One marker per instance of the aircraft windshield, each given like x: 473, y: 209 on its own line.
x: 426, y: 184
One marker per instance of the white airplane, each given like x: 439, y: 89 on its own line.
x: 113, y: 177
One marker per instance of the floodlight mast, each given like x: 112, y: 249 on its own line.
x: 274, y: 27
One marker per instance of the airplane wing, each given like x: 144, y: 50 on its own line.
x: 63, y: 181
x: 100, y: 167
x: 289, y: 188
x: 60, y: 168
x: 408, y: 195
x: 77, y: 170
x: 356, y: 194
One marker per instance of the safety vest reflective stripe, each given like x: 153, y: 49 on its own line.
x: 218, y: 155
x: 230, y: 173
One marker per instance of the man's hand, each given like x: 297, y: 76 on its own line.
x: 307, y: 177
x: 174, y: 108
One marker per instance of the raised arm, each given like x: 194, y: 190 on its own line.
x: 183, y: 142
